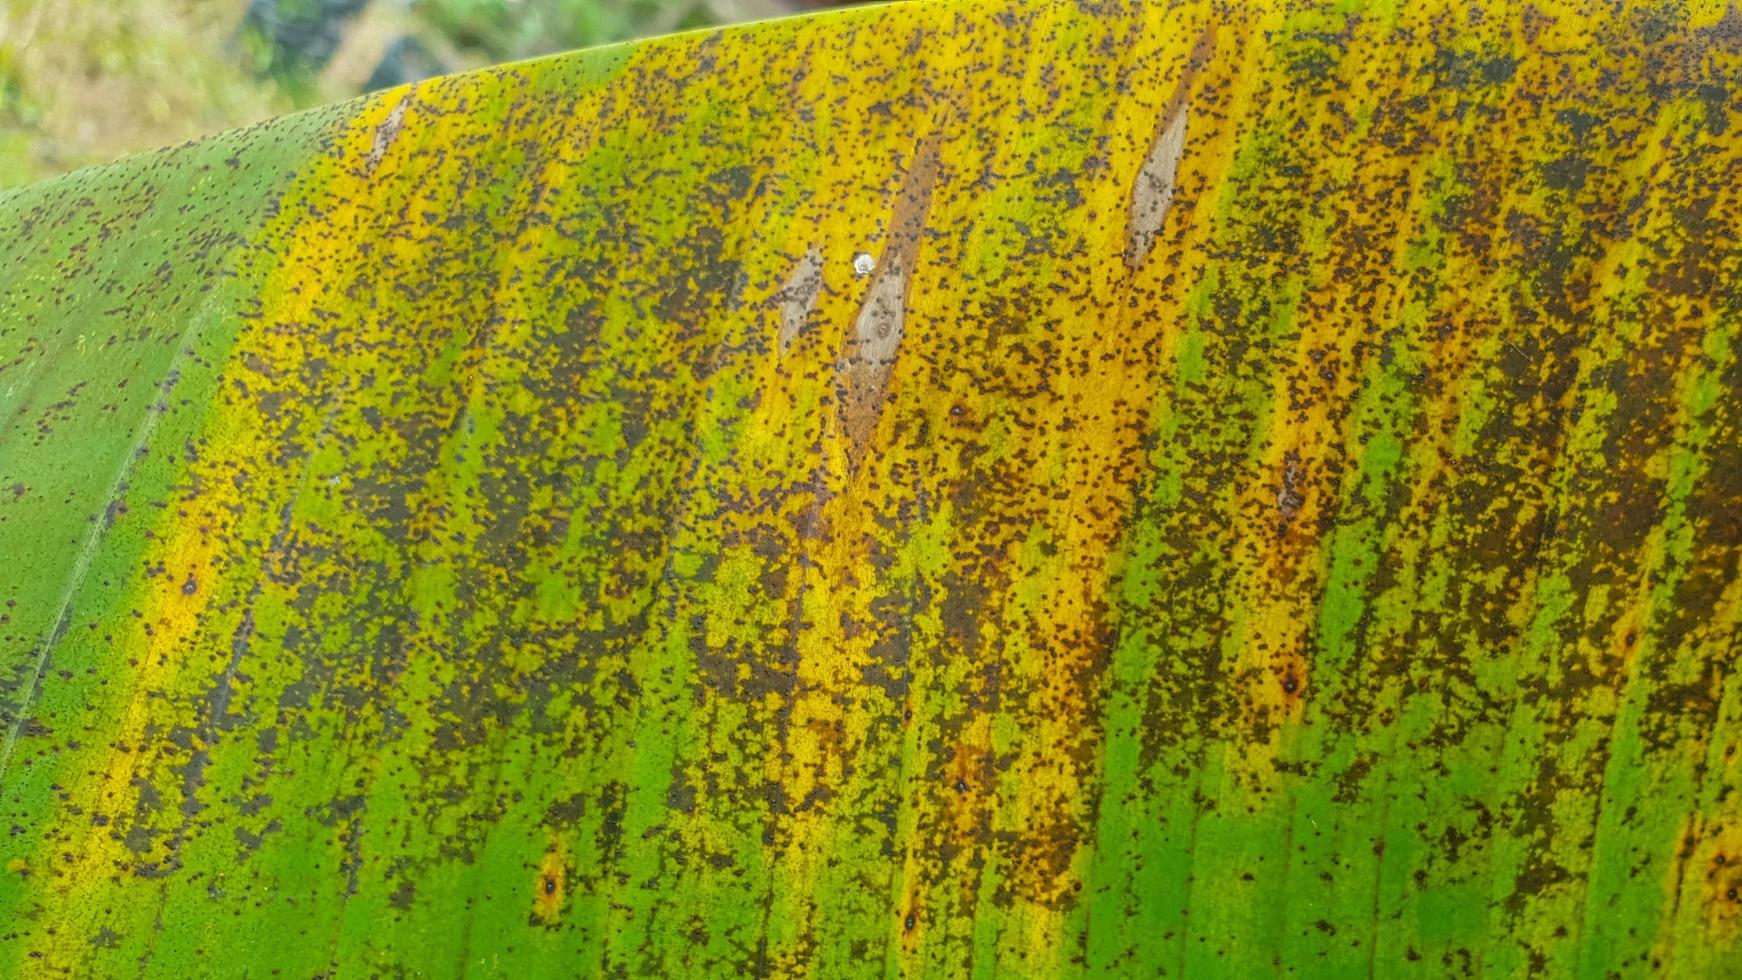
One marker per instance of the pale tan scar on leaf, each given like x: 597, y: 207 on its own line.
x: 798, y: 298
x: 875, y: 340
x: 389, y: 129
x: 1152, y: 194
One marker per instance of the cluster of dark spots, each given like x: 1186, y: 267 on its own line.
x: 106, y: 938
x: 1289, y: 498
x: 1579, y: 122
x: 1457, y: 69
x: 1327, y: 364
x: 1063, y: 183
x: 250, y: 841
x: 1566, y: 173
x: 1718, y: 104
x: 566, y: 812
x: 681, y: 795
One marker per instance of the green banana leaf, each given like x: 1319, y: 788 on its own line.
x: 945, y: 489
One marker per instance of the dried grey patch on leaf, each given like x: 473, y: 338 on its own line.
x: 799, y: 296
x: 389, y: 129
x: 881, y: 318
x: 1153, y: 194
x: 875, y: 340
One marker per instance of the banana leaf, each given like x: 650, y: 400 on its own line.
x: 944, y: 489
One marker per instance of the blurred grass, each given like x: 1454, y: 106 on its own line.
x: 84, y: 81
x: 87, y: 80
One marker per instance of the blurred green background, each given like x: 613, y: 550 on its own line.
x: 84, y: 81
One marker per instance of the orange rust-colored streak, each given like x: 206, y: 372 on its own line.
x: 550, y: 884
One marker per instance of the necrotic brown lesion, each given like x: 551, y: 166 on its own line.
x: 877, y: 330
x: 548, y: 887
x: 799, y: 296
x: 389, y: 129
x: 1153, y: 194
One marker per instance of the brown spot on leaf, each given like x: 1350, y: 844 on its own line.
x: 549, y: 885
